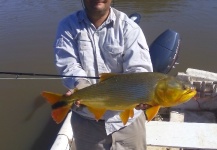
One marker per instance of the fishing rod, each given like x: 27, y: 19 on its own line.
x: 54, y: 76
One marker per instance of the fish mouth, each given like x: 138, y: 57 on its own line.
x: 189, y: 90
x: 188, y: 94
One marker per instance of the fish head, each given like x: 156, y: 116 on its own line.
x: 171, y: 92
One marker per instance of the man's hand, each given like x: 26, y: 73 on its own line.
x: 82, y: 83
x: 79, y: 84
x: 70, y: 92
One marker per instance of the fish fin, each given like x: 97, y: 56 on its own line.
x: 59, y: 114
x: 152, y: 112
x: 52, y: 98
x: 105, y: 76
x: 98, y: 112
x: 124, y: 115
x: 131, y: 113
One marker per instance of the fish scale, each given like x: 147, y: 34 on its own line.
x: 127, y: 87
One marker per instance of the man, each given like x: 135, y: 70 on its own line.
x: 96, y: 40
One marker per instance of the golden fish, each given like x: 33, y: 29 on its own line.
x: 124, y: 92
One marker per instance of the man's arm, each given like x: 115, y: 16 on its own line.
x: 136, y: 52
x: 66, y: 57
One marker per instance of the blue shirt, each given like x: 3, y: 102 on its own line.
x: 117, y: 46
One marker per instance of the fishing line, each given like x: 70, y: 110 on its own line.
x: 18, y: 74
x: 198, y: 104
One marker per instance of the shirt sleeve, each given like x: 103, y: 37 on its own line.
x: 136, y: 56
x: 66, y: 55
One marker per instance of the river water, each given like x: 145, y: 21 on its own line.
x: 27, y: 31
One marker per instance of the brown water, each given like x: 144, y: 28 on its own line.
x: 27, y: 31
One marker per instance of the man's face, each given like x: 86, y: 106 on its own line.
x: 100, y: 6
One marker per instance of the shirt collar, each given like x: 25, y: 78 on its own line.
x: 111, y: 18
x: 82, y: 16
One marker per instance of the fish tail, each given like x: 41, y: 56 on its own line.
x: 60, y: 108
x: 59, y: 114
x: 52, y: 98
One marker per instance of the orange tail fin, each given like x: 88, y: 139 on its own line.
x: 58, y: 114
x: 52, y: 98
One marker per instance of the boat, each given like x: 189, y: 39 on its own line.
x: 174, y: 127
x: 191, y: 125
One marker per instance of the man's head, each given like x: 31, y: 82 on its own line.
x: 99, y: 7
